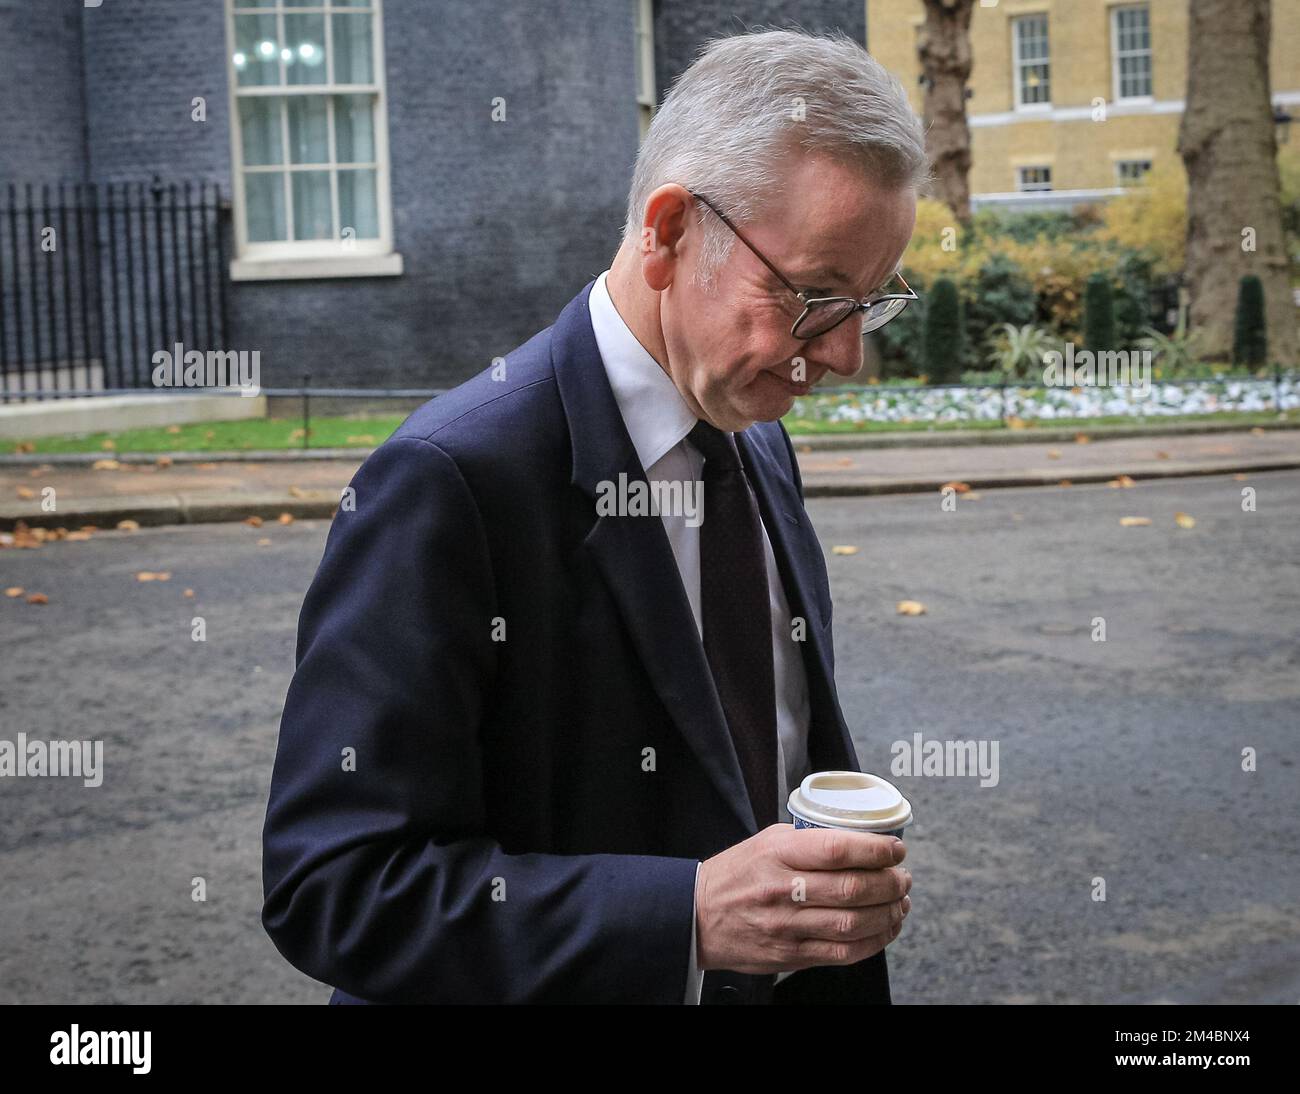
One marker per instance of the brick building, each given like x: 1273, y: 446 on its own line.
x: 413, y: 187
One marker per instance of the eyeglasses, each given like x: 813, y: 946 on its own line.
x: 824, y: 313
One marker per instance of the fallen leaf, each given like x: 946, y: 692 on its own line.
x: 105, y: 465
x: 844, y: 549
x: 14, y: 590
x: 24, y: 537
x: 1162, y: 455
x: 26, y: 493
x: 1184, y: 521
x: 37, y: 598
x: 77, y: 536
x: 109, y: 444
x: 972, y: 495
x: 163, y: 461
x: 1017, y: 423
x: 910, y: 607
x: 285, y: 518
x: 956, y: 487
x: 189, y: 592
x: 1134, y: 522
x: 128, y: 526
x: 173, y: 429
x: 844, y: 461
x: 1239, y: 477
x: 1081, y: 438
x: 297, y: 492
x: 1257, y: 432
x: 153, y: 575
x: 255, y: 522
x: 1065, y: 482
x: 805, y: 449
x: 264, y: 543
x: 1053, y: 453
x: 1122, y: 480
x: 25, y: 446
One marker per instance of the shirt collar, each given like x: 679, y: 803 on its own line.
x: 656, y: 415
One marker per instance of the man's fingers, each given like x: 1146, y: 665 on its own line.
x: 817, y: 951
x: 848, y: 924
x: 834, y: 849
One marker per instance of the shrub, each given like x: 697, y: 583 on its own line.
x: 1249, y: 336
x: 1098, y: 314
x: 943, y: 333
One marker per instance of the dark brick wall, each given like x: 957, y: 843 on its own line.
x: 42, y: 135
x: 683, y: 26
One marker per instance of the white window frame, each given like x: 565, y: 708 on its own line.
x: 646, y: 94
x: 1116, y: 82
x: 1033, y: 187
x: 289, y: 259
x: 1018, y: 63
x: 1122, y: 163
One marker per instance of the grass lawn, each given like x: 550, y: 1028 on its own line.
x: 285, y: 433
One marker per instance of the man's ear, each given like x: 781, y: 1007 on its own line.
x: 662, y: 231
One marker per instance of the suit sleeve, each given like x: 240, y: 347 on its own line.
x: 380, y: 876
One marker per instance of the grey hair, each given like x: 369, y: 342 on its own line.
x: 749, y: 101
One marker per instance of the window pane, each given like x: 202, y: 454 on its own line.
x: 354, y: 136
x: 308, y: 129
x: 351, y: 3
x: 254, y: 3
x: 264, y: 206
x: 358, y: 208
x: 353, y: 49
x: 259, y: 130
x: 257, y: 51
x: 312, y: 218
x: 304, y: 49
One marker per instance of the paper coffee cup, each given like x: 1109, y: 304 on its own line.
x: 850, y: 800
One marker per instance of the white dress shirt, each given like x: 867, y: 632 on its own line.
x: 658, y: 421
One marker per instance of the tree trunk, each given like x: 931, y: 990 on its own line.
x: 945, y: 55
x: 1228, y: 145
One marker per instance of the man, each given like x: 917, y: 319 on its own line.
x: 539, y: 738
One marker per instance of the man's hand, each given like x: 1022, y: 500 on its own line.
x: 788, y: 899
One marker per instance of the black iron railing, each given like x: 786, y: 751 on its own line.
x: 95, y: 277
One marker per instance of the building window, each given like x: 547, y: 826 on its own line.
x: 1032, y: 76
x: 645, y: 63
x: 1130, y: 172
x: 309, y: 132
x: 1130, y: 37
x: 1033, y: 178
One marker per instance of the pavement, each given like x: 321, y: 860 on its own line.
x: 188, y: 488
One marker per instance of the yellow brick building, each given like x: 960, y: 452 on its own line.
x: 1075, y: 97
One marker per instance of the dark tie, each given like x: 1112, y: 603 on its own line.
x: 737, y: 615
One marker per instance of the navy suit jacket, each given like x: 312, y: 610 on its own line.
x: 458, y: 819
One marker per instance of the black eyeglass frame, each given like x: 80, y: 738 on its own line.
x: 809, y: 302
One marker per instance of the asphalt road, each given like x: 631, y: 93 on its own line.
x: 1118, y: 760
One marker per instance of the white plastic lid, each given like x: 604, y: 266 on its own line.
x: 850, y: 799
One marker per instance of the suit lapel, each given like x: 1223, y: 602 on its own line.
x: 637, y: 561
x: 795, y: 545
x: 638, y: 564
